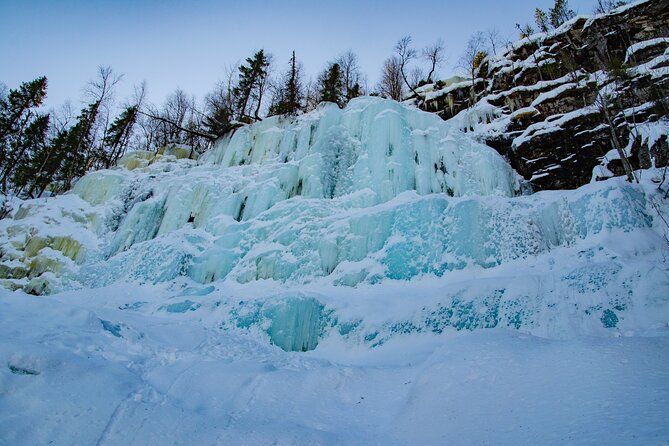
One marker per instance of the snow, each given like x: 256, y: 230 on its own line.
x: 652, y: 132
x: 81, y: 370
x: 552, y: 94
x: 555, y: 124
x: 431, y: 95
x: 635, y: 48
x: 479, y: 118
x: 620, y: 10
x: 540, y: 86
x: 657, y: 68
x: 369, y: 275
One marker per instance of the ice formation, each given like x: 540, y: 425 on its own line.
x: 337, y: 199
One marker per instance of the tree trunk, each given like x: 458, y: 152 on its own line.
x: 619, y: 148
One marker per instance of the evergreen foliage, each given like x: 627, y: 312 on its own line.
x: 219, y: 120
x: 556, y: 16
x: 20, y: 126
x: 478, y: 59
x: 252, y: 77
x: 541, y: 19
x: 604, y: 6
x: 331, y: 84
x: 289, y: 95
x: 560, y: 13
x: 118, y: 136
x: 74, y: 153
x: 524, y: 31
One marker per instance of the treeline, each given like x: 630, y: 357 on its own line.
x: 560, y: 13
x: 46, y: 152
x: 51, y: 150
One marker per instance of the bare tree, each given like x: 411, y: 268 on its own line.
x: 101, y: 91
x: 62, y: 118
x: 604, y: 101
x: 416, y: 76
x: 494, y: 40
x: 178, y: 121
x: 391, y: 84
x: 434, y: 54
x: 353, y: 78
x: 311, y: 95
x: 471, y: 58
x: 102, y: 87
x: 405, y: 54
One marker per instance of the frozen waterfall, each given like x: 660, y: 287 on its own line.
x: 336, y: 199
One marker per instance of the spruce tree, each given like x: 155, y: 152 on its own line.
x: 76, y: 151
x: 44, y: 165
x: 560, y: 13
x: 19, y: 125
x: 251, y: 79
x: 35, y: 143
x: 557, y: 15
x: 288, y: 97
x: 354, y: 92
x: 332, y: 85
x: 118, y: 136
x: 219, y: 112
x: 541, y: 19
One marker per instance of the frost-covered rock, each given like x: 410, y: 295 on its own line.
x: 537, y: 103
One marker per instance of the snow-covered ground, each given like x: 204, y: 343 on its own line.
x: 90, y: 368
x: 363, y: 276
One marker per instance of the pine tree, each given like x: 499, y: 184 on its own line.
x: 560, y: 13
x: 524, y: 31
x: 541, y: 19
x: 354, y: 92
x: 251, y: 82
x: 288, y: 97
x: 36, y: 142
x: 604, y: 6
x: 76, y: 150
x: 478, y: 59
x: 19, y: 125
x: 44, y: 165
x: 557, y: 15
x: 332, y: 85
x: 118, y: 136
x: 218, y: 121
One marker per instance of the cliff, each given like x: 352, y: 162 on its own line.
x: 544, y: 103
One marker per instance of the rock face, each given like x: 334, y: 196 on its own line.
x: 542, y: 104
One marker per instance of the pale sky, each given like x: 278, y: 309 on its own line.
x: 188, y: 44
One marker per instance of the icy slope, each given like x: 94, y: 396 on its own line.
x: 233, y: 210
x: 360, y: 276
x: 300, y: 218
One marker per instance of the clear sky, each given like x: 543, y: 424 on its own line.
x: 187, y: 44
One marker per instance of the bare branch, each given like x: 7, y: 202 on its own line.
x: 405, y: 54
x: 434, y: 54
